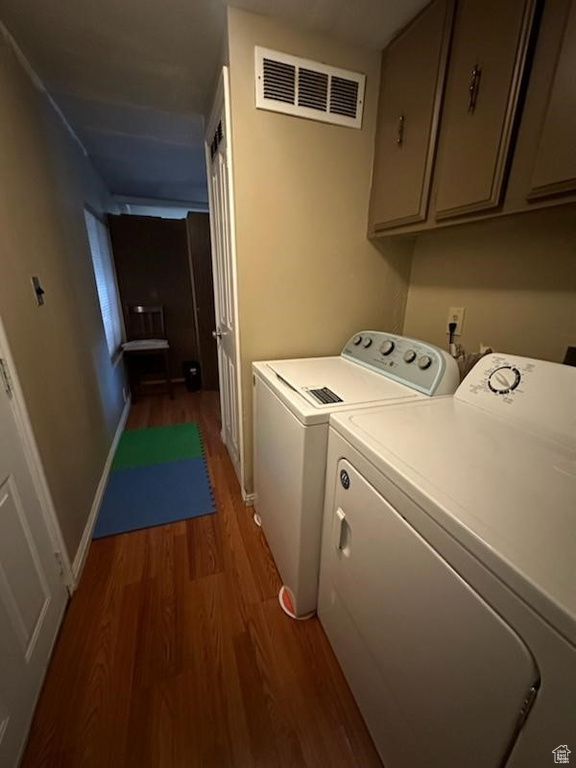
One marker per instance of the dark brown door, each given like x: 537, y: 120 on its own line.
x: 485, y: 73
x: 198, y: 226
x: 555, y: 167
x: 413, y: 72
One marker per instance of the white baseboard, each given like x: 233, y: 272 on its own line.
x: 82, y: 552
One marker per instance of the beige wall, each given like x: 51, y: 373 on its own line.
x: 308, y: 278
x: 73, y: 394
x: 516, y: 276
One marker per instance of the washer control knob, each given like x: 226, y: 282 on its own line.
x: 409, y: 356
x: 424, y: 362
x: 504, y: 379
x: 356, y: 340
x: 387, y: 347
x: 367, y: 342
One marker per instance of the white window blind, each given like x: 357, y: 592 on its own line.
x: 105, y: 274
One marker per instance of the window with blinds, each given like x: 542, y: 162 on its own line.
x: 105, y: 274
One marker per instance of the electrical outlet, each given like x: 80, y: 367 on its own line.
x: 456, y: 315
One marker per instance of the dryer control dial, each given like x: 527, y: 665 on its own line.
x: 409, y: 356
x: 367, y: 342
x: 356, y: 340
x: 387, y: 347
x: 424, y: 362
x: 504, y: 380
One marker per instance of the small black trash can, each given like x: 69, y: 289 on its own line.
x: 191, y: 369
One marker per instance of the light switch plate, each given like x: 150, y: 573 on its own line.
x: 456, y: 315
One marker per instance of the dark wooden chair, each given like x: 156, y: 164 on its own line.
x: 146, y: 331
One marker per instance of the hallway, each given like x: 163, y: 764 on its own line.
x: 174, y: 651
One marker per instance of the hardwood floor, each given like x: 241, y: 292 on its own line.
x: 174, y: 651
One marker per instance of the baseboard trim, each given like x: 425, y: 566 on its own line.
x: 179, y: 380
x: 82, y: 552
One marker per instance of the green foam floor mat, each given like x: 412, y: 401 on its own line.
x: 157, y: 445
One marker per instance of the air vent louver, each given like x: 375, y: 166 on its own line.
x: 279, y: 81
x: 343, y: 97
x: 312, y: 89
x: 308, y: 89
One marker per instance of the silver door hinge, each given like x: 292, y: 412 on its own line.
x: 6, y: 377
x: 64, y: 573
x: 58, y: 557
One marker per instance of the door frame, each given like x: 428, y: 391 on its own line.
x: 222, y: 103
x: 193, y: 289
x: 34, y: 461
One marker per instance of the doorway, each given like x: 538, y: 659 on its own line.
x: 167, y: 262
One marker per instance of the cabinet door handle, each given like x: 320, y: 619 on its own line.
x: 474, y: 88
x: 400, y: 135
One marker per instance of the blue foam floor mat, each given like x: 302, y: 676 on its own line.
x: 142, y: 497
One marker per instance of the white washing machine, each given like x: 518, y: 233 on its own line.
x: 293, y: 400
x: 448, y: 571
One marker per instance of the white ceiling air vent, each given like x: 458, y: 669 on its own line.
x: 309, y: 89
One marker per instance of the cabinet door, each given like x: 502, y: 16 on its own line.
x: 555, y: 167
x: 413, y: 71
x: 485, y: 73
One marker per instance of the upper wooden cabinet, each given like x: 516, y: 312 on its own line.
x: 555, y: 165
x: 485, y: 74
x: 477, y: 115
x: 413, y: 72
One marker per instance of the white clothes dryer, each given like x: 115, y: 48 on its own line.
x: 448, y: 572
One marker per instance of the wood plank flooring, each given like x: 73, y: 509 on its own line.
x: 174, y: 651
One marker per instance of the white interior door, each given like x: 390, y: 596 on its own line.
x: 32, y: 592
x: 218, y: 153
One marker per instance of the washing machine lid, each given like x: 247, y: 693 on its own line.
x: 506, y: 492
x: 313, y: 388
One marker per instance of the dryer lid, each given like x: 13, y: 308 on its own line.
x: 505, y: 492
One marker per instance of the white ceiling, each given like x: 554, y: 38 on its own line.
x: 134, y: 77
x: 371, y: 23
x: 139, y: 151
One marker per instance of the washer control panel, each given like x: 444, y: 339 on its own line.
x: 412, y: 362
x: 504, y: 379
x: 500, y: 376
x: 524, y: 389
